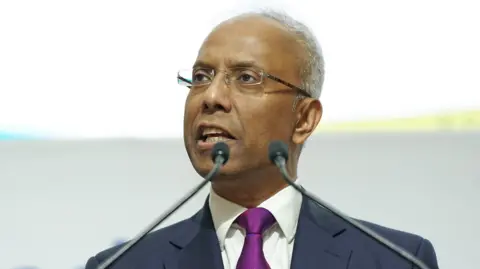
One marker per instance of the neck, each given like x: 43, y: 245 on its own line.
x: 252, y: 188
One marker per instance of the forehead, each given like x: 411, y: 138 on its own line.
x: 260, y: 41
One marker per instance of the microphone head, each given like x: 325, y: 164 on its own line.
x: 277, y: 149
x: 220, y: 149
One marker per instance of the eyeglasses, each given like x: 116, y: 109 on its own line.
x: 246, y: 80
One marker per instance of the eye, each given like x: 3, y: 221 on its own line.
x: 248, y: 77
x: 200, y: 76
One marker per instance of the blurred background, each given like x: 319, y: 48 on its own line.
x: 91, y: 119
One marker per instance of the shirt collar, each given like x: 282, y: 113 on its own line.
x: 284, y: 206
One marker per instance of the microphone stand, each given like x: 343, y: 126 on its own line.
x: 220, y: 160
x: 280, y: 162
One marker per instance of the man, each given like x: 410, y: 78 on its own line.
x: 257, y: 78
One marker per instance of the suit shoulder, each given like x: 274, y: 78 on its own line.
x: 391, y: 231
x: 405, y: 239
x: 156, y: 240
x: 415, y: 244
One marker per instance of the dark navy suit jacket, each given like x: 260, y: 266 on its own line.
x: 322, y: 242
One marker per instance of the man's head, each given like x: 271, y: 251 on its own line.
x: 257, y: 78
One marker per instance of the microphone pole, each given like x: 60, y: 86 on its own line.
x: 278, y: 154
x: 220, y: 155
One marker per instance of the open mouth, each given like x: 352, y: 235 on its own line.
x: 213, y: 135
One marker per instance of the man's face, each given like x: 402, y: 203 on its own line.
x: 248, y: 121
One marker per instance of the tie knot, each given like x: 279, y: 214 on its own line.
x: 256, y: 220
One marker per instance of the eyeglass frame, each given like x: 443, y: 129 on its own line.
x: 263, y: 74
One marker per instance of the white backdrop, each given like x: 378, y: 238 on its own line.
x: 61, y: 202
x: 107, y: 68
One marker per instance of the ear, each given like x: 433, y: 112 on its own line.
x: 308, y: 114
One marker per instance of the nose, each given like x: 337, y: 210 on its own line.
x: 217, y: 97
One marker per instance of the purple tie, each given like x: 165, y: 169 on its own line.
x: 255, y: 221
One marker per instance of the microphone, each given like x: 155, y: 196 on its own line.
x: 220, y: 155
x: 278, y: 154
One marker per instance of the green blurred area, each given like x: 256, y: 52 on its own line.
x: 458, y: 121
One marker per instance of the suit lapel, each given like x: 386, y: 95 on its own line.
x: 316, y: 245
x: 199, y: 247
x: 321, y: 242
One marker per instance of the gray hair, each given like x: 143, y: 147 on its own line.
x: 312, y: 71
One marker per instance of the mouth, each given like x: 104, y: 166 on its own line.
x: 207, y: 136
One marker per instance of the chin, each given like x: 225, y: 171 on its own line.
x: 203, y: 167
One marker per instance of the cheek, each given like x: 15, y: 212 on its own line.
x: 264, y: 122
x: 190, y: 112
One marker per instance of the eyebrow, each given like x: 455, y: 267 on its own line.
x: 228, y: 62
x: 200, y: 63
x: 236, y: 63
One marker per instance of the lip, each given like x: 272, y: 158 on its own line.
x: 207, y: 146
x: 204, y: 125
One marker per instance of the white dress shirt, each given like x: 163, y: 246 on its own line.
x: 277, y: 241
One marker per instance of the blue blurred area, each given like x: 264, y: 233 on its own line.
x: 14, y: 136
